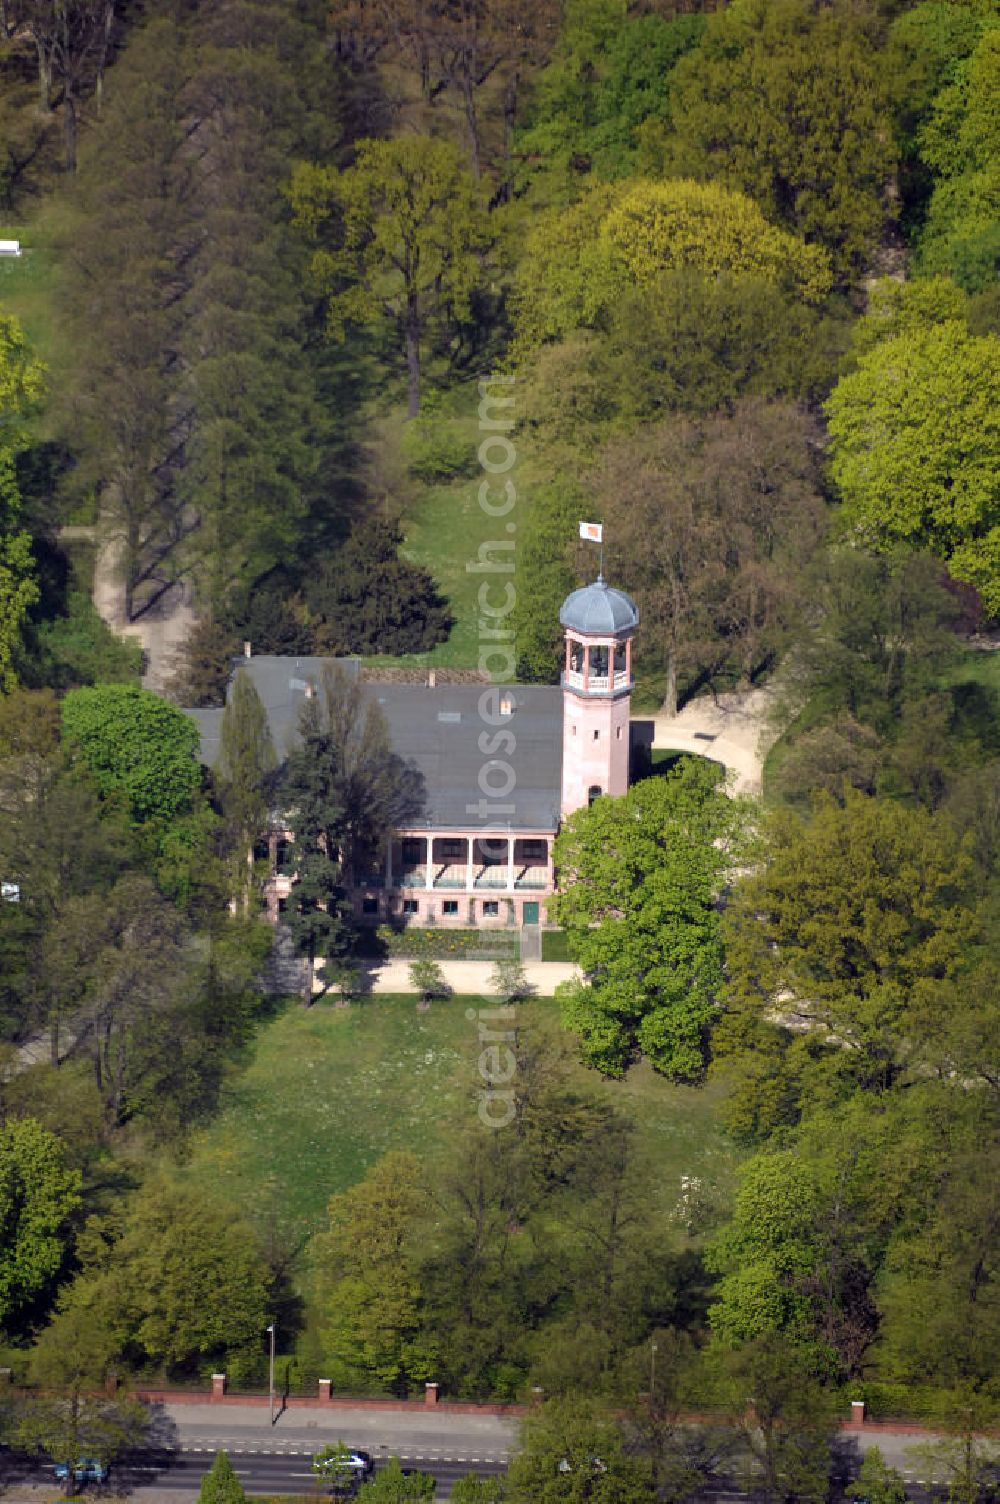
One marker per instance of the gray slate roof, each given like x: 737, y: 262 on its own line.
x: 599, y: 609
x: 438, y: 730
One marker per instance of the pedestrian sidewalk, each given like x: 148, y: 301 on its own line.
x: 197, y: 1426
x: 471, y: 978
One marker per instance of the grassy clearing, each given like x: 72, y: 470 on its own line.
x: 26, y: 289
x: 975, y: 667
x: 443, y: 529
x: 330, y: 1090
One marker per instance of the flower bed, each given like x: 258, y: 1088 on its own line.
x: 413, y: 943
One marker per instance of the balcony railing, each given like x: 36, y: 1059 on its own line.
x: 596, y: 682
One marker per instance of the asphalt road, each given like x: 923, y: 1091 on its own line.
x: 156, y: 1477
x: 151, y: 1475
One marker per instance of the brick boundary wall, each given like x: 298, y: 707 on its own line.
x: 858, y: 1420
x: 308, y: 1402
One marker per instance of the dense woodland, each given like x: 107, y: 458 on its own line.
x: 741, y: 262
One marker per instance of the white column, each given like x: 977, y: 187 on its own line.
x: 470, y: 842
x: 510, y: 863
x: 430, y: 862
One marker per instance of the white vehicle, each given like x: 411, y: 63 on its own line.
x: 356, y: 1464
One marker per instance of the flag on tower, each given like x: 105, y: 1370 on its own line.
x: 592, y: 531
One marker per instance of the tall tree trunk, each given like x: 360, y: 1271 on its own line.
x: 506, y: 191
x: 412, y: 356
x: 69, y: 126
x: 44, y: 78
x: 670, y: 692
x: 109, y: 17
x: 131, y: 563
x: 54, y: 1039
x: 248, y: 886
x: 471, y: 121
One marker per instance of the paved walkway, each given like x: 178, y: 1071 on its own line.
x: 469, y: 978
x: 733, y: 729
x: 160, y: 631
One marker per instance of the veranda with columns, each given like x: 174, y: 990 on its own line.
x: 462, y: 877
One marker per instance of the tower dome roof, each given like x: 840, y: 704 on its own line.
x: 599, y: 610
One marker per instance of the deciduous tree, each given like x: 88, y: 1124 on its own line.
x: 391, y: 1485
x: 786, y: 1421
x: 74, y: 40
x: 374, y: 1330
x: 136, y: 746
x: 916, y: 449
x: 408, y: 235
x: 787, y: 104
x: 21, y: 387
x: 714, y: 521
x: 639, y: 879
x: 609, y: 73
x: 38, y: 1195
x: 246, y: 761
x: 181, y: 1281
x: 476, y: 1489
x: 852, y: 909
x: 572, y: 1452
x: 577, y: 263
x: 69, y: 1415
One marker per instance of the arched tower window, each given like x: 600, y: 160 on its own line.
x: 594, y: 792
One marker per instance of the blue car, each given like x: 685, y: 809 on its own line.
x: 87, y: 1470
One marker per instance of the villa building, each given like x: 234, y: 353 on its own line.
x: 498, y: 766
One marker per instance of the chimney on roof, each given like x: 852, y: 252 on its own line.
x: 248, y: 650
x: 432, y: 678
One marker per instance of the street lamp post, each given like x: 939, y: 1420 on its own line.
x: 271, y: 1371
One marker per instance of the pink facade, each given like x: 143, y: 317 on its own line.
x: 473, y: 877
x: 597, y: 701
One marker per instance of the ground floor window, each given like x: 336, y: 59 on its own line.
x: 491, y: 909
x: 411, y: 906
x: 450, y: 906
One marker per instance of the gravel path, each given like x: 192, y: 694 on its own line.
x: 733, y: 729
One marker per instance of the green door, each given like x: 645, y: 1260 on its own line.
x: 529, y: 914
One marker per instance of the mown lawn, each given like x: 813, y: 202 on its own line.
x: 331, y: 1089
x: 26, y: 288
x: 443, y: 528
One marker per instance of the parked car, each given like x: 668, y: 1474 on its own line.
x: 87, y: 1470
